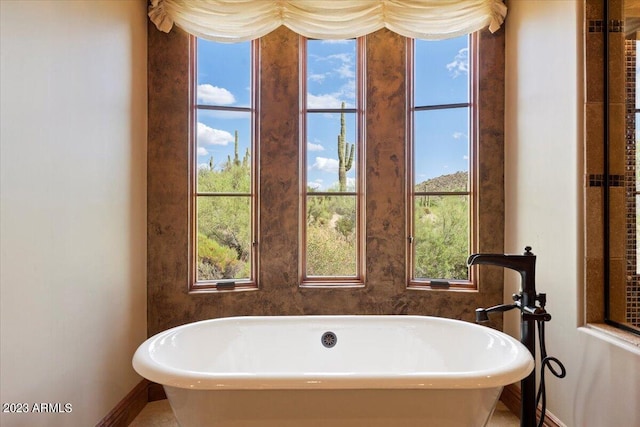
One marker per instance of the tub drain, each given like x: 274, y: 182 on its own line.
x: 329, y: 339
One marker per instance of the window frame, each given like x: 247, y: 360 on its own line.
x: 360, y: 110
x: 223, y: 285
x: 304, y: 280
x: 430, y: 283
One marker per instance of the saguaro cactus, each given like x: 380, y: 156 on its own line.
x: 245, y: 159
x: 236, y: 160
x: 345, y: 154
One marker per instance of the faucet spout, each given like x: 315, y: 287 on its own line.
x: 524, y: 264
x: 482, y: 314
x: 520, y: 263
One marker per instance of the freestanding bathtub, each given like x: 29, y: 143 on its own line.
x: 332, y: 371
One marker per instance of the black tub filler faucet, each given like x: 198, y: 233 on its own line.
x: 530, y: 314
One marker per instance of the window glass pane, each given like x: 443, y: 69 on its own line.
x: 331, y: 73
x: 224, y: 73
x: 331, y: 162
x: 331, y: 148
x: 331, y: 236
x: 224, y: 238
x: 441, y: 151
x: 441, y: 71
x: 441, y: 237
x: 441, y: 143
x: 224, y: 151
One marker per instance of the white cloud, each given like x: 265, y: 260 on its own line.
x: 326, y: 165
x: 465, y: 157
x: 314, y: 147
x: 334, y: 100
x: 458, y: 135
x: 225, y: 115
x: 343, y: 57
x: 203, y: 166
x: 326, y: 100
x: 344, y: 67
x: 210, y: 94
x: 315, y: 184
x: 348, y: 90
x: 202, y: 151
x: 460, y: 64
x: 318, y: 78
x: 351, y: 184
x: 345, y: 71
x: 211, y: 136
x: 341, y: 41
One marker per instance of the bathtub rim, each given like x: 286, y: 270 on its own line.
x: 498, y: 376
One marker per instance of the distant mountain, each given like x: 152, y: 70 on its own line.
x: 458, y: 181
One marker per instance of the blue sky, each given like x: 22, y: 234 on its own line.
x: 441, y: 78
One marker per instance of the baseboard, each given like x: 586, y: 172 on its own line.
x: 511, y: 399
x: 156, y: 392
x: 128, y: 408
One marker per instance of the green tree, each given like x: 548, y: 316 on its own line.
x: 216, y: 261
x: 329, y: 253
x: 442, y: 238
x: 317, y: 210
x: 224, y: 222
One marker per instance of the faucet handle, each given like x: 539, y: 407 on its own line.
x: 542, y: 297
x: 527, y: 250
x: 540, y: 317
x: 516, y: 297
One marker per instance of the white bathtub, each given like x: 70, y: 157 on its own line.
x: 383, y: 371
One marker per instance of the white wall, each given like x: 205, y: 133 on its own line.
x: 73, y: 205
x: 544, y: 209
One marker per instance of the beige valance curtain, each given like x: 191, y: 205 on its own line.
x: 241, y: 20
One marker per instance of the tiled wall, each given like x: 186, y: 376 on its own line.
x: 632, y: 295
x: 170, y: 303
x: 623, y: 287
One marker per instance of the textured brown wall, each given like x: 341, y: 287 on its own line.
x: 170, y: 304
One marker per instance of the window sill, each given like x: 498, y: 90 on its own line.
x: 455, y: 286
x: 338, y: 284
x: 451, y: 289
x: 613, y: 335
x: 212, y: 289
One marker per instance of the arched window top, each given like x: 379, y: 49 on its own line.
x: 242, y: 20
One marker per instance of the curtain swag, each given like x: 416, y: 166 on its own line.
x: 242, y: 20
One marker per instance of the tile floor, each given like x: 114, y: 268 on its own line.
x: 158, y: 414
